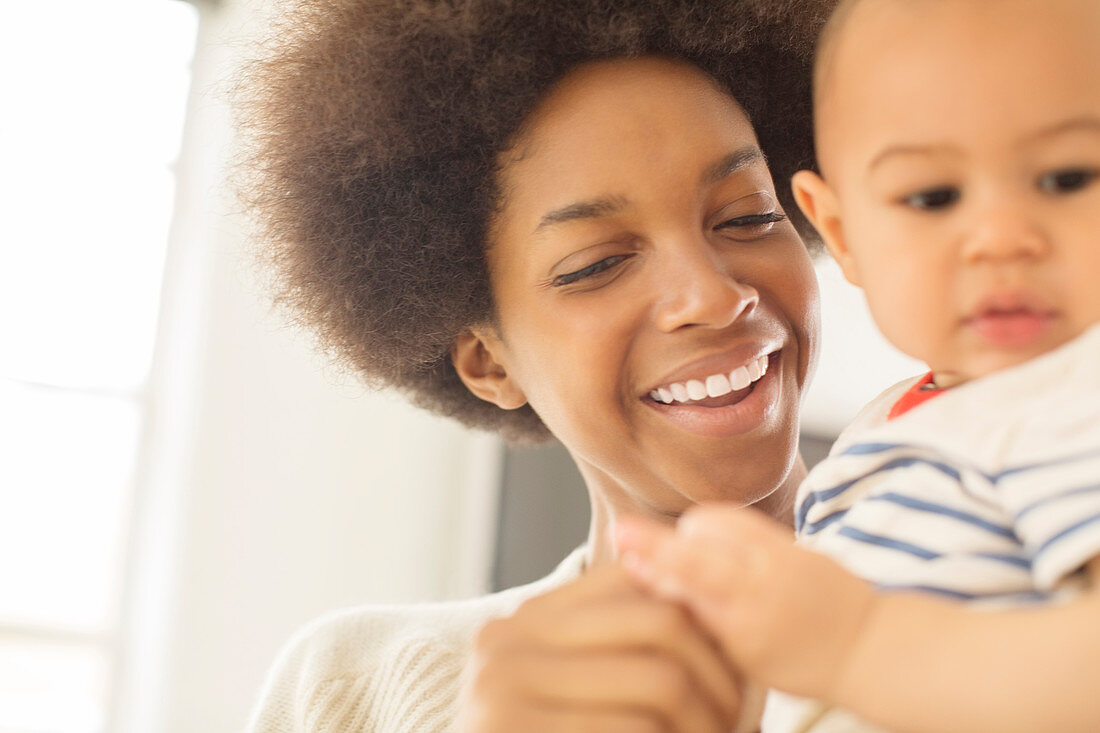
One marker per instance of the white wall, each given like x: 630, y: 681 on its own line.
x: 856, y: 362
x: 273, y: 490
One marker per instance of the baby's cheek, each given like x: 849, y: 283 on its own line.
x: 1087, y: 293
x: 903, y: 318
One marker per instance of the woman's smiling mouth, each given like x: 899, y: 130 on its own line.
x: 731, y: 411
x: 707, y: 389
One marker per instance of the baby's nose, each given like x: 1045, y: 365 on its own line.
x: 1005, y: 232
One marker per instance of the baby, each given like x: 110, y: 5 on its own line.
x: 954, y: 577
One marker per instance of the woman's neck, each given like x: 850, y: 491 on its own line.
x: 610, y: 502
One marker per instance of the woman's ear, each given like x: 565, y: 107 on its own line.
x: 477, y: 358
x: 819, y: 204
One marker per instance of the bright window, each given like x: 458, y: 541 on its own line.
x: 94, y: 98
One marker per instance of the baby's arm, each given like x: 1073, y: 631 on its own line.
x: 787, y: 617
x: 799, y: 622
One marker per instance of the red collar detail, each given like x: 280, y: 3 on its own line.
x: 924, y: 390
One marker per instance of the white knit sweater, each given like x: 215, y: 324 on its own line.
x: 384, y: 669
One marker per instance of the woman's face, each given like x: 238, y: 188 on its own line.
x: 640, y: 254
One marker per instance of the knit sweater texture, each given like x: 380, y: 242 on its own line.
x: 385, y: 669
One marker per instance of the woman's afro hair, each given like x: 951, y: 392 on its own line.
x: 371, y: 135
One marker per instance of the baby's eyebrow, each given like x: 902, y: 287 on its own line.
x: 921, y: 150
x: 1084, y: 123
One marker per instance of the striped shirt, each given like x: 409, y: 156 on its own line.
x: 988, y: 494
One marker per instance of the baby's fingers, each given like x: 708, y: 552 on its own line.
x: 734, y: 525
x: 676, y: 566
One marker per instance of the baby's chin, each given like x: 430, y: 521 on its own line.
x: 984, y: 365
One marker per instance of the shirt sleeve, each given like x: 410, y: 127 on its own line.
x: 1053, y: 493
x: 385, y: 670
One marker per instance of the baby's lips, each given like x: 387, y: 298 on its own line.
x: 1009, y: 329
x: 1011, y: 301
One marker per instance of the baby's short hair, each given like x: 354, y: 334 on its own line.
x: 827, y: 40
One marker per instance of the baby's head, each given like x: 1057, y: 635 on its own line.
x: 959, y: 148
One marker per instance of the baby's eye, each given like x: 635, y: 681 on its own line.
x: 933, y: 199
x: 592, y: 270
x: 1067, y: 180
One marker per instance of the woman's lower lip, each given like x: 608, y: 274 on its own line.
x: 1010, y: 330
x: 754, y: 410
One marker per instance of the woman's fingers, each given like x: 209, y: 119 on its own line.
x: 599, y: 650
x: 611, y: 614
x: 729, y: 566
x: 664, y: 631
x: 637, y: 682
x: 512, y: 716
x: 758, y: 593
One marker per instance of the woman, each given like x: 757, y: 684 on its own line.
x: 548, y: 219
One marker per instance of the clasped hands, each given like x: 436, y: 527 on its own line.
x: 680, y: 636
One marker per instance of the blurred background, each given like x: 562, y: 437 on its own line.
x: 183, y: 480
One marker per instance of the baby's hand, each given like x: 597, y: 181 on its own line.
x: 786, y: 616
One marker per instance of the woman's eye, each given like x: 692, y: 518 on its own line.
x: 933, y: 199
x: 591, y: 271
x: 1068, y: 180
x: 751, y: 224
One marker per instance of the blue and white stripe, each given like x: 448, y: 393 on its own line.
x: 904, y: 522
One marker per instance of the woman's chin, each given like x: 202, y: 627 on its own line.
x: 738, y: 491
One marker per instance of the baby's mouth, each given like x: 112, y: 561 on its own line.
x: 715, y: 390
x: 1010, y: 326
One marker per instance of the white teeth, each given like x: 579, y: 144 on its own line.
x: 696, y: 389
x: 717, y: 385
x: 739, y: 378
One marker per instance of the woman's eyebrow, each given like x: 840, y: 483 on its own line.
x: 582, y: 210
x: 723, y: 168
x: 730, y: 164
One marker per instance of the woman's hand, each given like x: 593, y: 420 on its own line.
x: 789, y: 618
x: 598, y: 655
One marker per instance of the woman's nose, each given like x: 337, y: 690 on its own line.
x: 1005, y: 233
x: 697, y: 289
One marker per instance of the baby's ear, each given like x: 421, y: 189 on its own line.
x: 820, y: 205
x: 480, y: 358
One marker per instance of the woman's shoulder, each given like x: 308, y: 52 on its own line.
x: 360, y: 640
x: 384, y: 667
